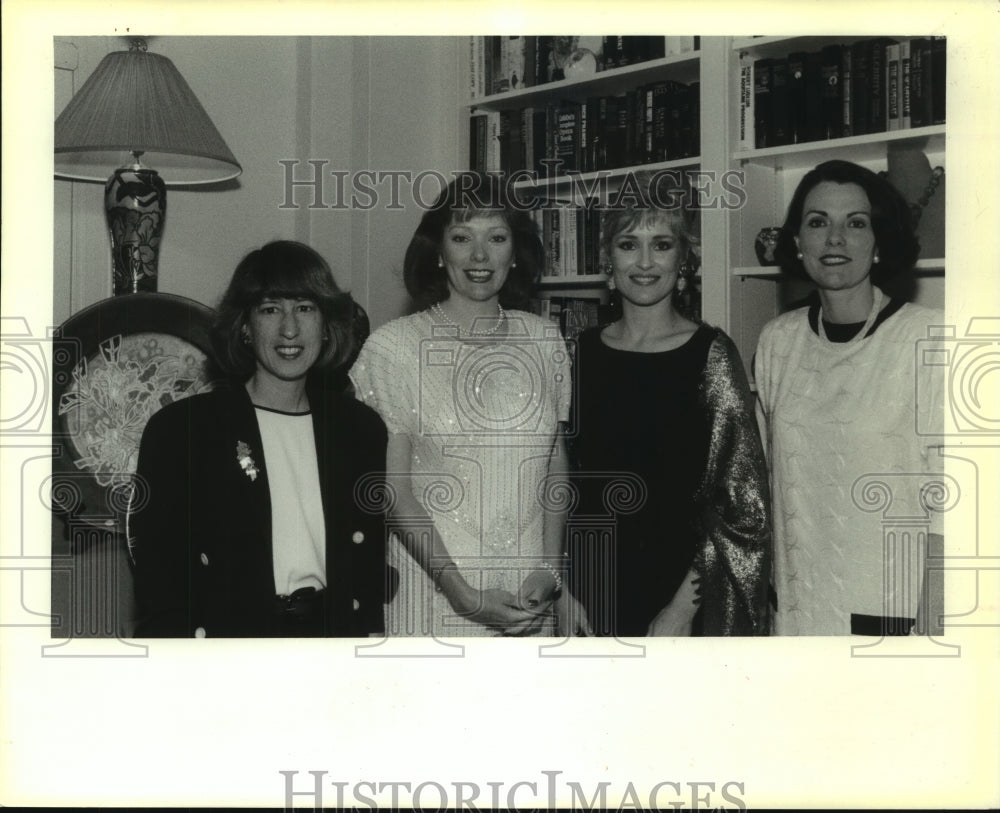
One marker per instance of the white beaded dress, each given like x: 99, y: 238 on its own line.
x: 481, y: 414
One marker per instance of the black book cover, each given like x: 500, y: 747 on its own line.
x: 832, y: 97
x: 621, y: 130
x: 798, y: 118
x: 762, y: 102
x: 694, y: 120
x: 530, y: 45
x: 660, y: 100
x: 681, y: 114
x: 860, y: 88
x: 780, y: 133
x: 566, y: 135
x: 920, y: 75
x: 939, y: 55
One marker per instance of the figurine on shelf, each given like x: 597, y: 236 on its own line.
x: 765, y: 244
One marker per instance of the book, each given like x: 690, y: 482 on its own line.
x: 904, y: 85
x: 798, y: 119
x: 892, y: 121
x: 860, y: 90
x: 847, y: 113
x: 778, y: 116
x: 876, y: 82
x: 477, y: 142
x: 745, y: 132
x: 762, y: 102
x: 920, y: 75
x: 566, y: 136
x: 938, y: 80
x: 831, y: 101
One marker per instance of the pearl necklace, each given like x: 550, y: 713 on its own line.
x: 501, y: 316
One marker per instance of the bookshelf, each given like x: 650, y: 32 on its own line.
x: 737, y: 293
x: 771, y: 173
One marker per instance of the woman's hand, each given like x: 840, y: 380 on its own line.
x: 502, y: 611
x: 675, y: 620
x: 571, y: 617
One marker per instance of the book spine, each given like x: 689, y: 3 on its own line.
x: 920, y: 82
x: 474, y: 67
x: 779, y: 103
x: 832, y: 100
x: 876, y: 83
x: 530, y: 45
x: 694, y: 119
x: 904, y: 85
x: 860, y: 91
x: 847, y: 111
x: 762, y: 102
x: 939, y: 56
x: 745, y: 138
x: 493, y: 141
x: 798, y: 119
x: 892, y: 121
x: 566, y: 136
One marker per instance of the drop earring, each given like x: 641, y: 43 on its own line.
x: 245, y: 334
x: 440, y: 263
x: 611, y: 283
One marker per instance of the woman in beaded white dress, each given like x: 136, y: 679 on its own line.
x: 473, y: 390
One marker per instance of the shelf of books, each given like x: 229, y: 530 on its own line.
x: 799, y: 101
x: 569, y: 118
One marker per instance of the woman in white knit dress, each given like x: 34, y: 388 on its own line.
x: 837, y: 383
x: 473, y: 390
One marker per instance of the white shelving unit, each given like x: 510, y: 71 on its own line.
x: 738, y: 294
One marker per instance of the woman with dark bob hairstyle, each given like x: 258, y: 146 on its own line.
x: 247, y: 524
x: 837, y: 382
x: 664, y: 415
x: 473, y: 390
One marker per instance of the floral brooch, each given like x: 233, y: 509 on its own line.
x: 245, y: 460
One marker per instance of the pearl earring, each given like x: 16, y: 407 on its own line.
x: 440, y: 263
x: 875, y: 258
x: 798, y: 255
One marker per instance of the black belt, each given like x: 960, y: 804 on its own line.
x: 303, y: 606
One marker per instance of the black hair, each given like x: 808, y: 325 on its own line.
x: 891, y: 220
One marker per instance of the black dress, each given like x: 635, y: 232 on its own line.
x: 639, y: 447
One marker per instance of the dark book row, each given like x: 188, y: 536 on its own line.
x: 498, y: 64
x: 650, y: 124
x: 873, y: 85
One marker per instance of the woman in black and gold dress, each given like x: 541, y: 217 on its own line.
x: 671, y: 535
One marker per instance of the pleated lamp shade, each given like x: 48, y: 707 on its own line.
x: 136, y: 101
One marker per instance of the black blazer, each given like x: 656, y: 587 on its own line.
x: 200, y: 526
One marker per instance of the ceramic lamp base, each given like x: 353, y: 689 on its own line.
x: 135, y: 200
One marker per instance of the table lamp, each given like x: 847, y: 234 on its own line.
x: 136, y: 110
